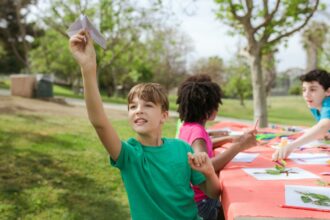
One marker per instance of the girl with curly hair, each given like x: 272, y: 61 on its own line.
x: 198, y: 102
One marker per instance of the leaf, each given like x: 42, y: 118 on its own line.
x: 273, y: 172
x: 279, y: 168
x: 306, y: 199
x: 317, y: 199
x: 318, y: 196
x: 322, y: 183
x: 322, y: 203
x: 283, y: 162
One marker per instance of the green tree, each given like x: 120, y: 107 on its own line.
x: 213, y: 66
x: 168, y: 50
x: 2, y: 51
x: 325, y: 54
x: 238, y: 83
x: 264, y: 24
x: 122, y: 22
x: 53, y: 56
x: 313, y: 39
x: 17, y: 34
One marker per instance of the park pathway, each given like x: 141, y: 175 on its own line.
x: 123, y: 107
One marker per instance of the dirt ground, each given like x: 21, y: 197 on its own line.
x: 57, y: 107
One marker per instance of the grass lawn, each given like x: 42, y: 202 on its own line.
x: 286, y: 110
x: 67, y: 92
x: 4, y: 83
x: 55, y: 168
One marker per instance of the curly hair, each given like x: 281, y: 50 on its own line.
x: 198, y: 97
x: 321, y: 76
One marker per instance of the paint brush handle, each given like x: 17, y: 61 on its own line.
x: 256, y: 124
x: 304, y: 208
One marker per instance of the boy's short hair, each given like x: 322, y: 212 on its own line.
x: 321, y: 76
x: 198, y: 98
x: 150, y: 92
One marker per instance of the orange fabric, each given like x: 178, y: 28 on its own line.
x: 236, y: 126
x: 244, y: 196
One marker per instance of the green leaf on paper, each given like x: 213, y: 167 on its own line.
x: 315, y: 198
x: 273, y: 172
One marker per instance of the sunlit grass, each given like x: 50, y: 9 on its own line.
x: 4, y: 83
x: 286, y: 110
x: 56, y: 168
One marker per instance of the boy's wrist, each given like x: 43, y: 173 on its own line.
x: 87, y: 68
x: 290, y: 147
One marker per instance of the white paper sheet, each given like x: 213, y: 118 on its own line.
x: 310, y: 158
x: 83, y: 23
x: 293, y: 195
x: 218, y: 130
x: 245, y: 157
x: 316, y: 143
x: 260, y: 174
x: 236, y: 133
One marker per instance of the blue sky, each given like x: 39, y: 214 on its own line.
x: 210, y: 36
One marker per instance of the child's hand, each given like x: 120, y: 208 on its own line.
x: 201, y: 162
x: 282, y: 153
x: 82, y: 49
x: 327, y: 136
x: 246, y: 140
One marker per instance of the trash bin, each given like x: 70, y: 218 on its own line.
x: 44, y: 88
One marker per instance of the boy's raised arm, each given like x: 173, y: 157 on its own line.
x: 82, y: 49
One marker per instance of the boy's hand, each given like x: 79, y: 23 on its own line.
x: 282, y: 153
x: 82, y: 49
x: 247, y: 140
x: 201, y: 162
x: 327, y: 137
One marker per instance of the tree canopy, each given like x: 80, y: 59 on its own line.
x: 264, y: 24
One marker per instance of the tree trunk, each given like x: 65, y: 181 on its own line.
x: 259, y: 92
x: 22, y: 32
x: 269, y: 71
x: 311, y: 57
x: 241, y: 100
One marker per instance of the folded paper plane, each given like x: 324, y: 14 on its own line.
x: 83, y: 23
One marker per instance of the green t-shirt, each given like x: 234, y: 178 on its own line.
x: 157, y: 180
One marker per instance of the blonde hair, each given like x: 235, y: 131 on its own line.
x: 150, y: 92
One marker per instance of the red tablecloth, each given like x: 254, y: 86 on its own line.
x: 245, y: 197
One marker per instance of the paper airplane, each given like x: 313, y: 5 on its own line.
x: 83, y: 23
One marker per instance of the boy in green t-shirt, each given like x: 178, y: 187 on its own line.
x: 156, y: 171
